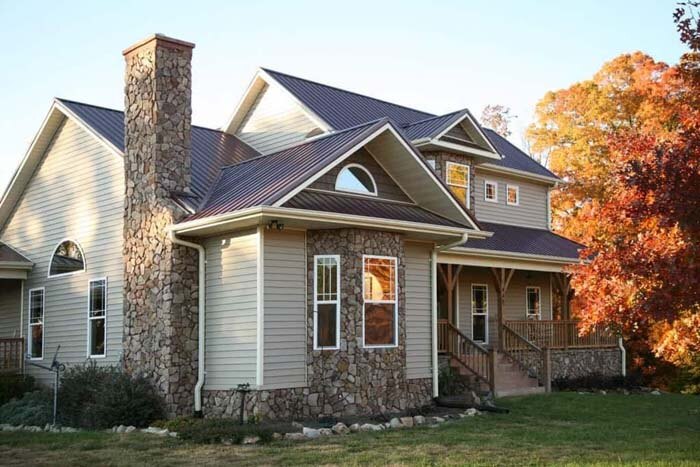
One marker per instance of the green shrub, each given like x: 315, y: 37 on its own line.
x: 14, y: 387
x: 34, y: 408
x: 598, y: 381
x: 95, y: 397
x: 217, y: 430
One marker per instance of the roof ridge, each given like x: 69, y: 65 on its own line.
x: 491, y: 130
x: 268, y: 70
x: 418, y: 122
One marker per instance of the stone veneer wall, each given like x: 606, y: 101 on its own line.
x: 575, y: 363
x: 160, y: 280
x: 352, y: 380
x: 441, y: 159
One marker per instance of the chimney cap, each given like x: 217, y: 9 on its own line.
x: 161, y: 38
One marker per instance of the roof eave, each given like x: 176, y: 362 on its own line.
x: 520, y: 173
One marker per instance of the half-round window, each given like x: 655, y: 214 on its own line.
x: 356, y: 179
x: 67, y: 258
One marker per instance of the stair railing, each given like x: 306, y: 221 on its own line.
x: 469, y: 354
x: 527, y: 355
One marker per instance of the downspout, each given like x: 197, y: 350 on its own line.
x: 200, y: 323
x: 623, y: 354
x: 434, y: 311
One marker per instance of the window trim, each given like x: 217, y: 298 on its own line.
x: 539, y: 303
x: 495, y: 191
x: 89, y: 318
x: 466, y: 187
x: 43, y: 323
x: 486, y: 314
x: 349, y: 190
x: 317, y: 302
x: 517, y: 195
x: 66, y: 274
x: 395, y: 259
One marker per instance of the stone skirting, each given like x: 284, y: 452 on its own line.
x: 305, y: 403
x: 576, y: 363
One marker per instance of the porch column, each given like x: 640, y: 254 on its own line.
x: 450, y: 277
x: 434, y: 314
x: 563, y: 282
x: 502, y: 277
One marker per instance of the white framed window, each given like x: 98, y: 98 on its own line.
x: 354, y: 178
x: 533, y: 303
x: 67, y: 258
x: 380, y: 301
x: 480, y: 313
x: 458, y: 180
x: 512, y: 195
x: 35, y: 342
x: 326, y: 302
x: 491, y: 191
x: 97, y: 318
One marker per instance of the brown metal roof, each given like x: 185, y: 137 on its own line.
x: 9, y: 255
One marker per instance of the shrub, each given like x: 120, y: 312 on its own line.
x: 93, y: 397
x: 217, y: 430
x: 450, y: 382
x: 597, y: 381
x: 34, y: 408
x: 14, y: 386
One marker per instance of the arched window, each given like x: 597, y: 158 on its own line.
x: 67, y: 258
x: 356, y: 179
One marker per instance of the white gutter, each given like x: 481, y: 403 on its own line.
x: 200, y: 323
x: 623, y: 353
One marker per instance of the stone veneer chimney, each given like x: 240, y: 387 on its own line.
x: 160, y: 283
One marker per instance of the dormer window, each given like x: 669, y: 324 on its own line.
x: 67, y: 259
x: 354, y: 178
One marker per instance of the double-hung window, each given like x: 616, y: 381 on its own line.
x: 512, y: 195
x: 326, y: 302
x: 491, y: 191
x: 36, y: 323
x: 380, y: 311
x: 458, y: 181
x: 97, y: 317
x: 534, y: 305
x: 480, y: 312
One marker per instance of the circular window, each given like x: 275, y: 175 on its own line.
x: 356, y: 179
x: 67, y: 259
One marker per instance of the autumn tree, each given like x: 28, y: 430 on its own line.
x: 498, y: 118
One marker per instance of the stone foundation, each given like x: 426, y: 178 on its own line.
x: 575, y: 363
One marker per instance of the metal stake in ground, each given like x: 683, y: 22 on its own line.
x: 56, y: 367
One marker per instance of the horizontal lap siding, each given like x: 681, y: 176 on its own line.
x: 285, y: 309
x: 231, y: 316
x: 514, y: 304
x: 531, y: 212
x: 10, y: 308
x: 418, y: 311
x: 76, y: 193
x: 274, y: 121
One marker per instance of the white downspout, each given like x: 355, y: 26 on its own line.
x: 623, y: 353
x: 434, y: 311
x: 201, y: 325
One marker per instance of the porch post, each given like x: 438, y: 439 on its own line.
x: 502, y: 278
x: 564, y: 286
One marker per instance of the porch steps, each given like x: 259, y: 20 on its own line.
x: 511, y: 380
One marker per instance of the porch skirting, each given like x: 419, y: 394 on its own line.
x: 576, y: 363
x: 306, y: 403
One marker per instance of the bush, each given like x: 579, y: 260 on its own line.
x: 217, y: 430
x: 450, y: 382
x: 14, y: 387
x: 598, y: 381
x: 95, y: 397
x: 34, y: 408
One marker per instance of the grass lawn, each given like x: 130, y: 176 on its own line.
x: 563, y: 428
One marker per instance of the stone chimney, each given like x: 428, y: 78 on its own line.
x: 160, y: 281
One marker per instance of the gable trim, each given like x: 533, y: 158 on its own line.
x: 467, y: 115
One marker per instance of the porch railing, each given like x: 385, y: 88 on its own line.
x: 470, y: 355
x: 12, y: 355
x: 530, y: 357
x: 561, y: 334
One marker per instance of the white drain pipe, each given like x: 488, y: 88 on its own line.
x: 201, y: 313
x: 623, y: 353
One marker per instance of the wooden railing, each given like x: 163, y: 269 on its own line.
x: 12, y: 355
x: 559, y: 334
x: 472, y: 356
x: 531, y: 358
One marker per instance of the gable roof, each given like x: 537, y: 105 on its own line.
x: 430, y: 127
x: 211, y: 149
x: 525, y: 240
x: 344, y: 109
x: 10, y: 255
x: 514, y: 158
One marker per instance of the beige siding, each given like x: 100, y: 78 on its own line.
x: 231, y: 318
x: 284, y: 309
x: 531, y: 212
x: 386, y: 186
x: 10, y: 308
x: 514, y: 304
x: 77, y: 193
x: 274, y: 121
x: 418, y: 311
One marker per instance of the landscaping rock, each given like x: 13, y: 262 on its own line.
x: 311, y: 433
x: 355, y: 427
x: 277, y: 436
x: 340, y: 428
x: 251, y: 440
x: 130, y: 429
x: 370, y: 427
x: 325, y: 432
x: 419, y: 420
x: 471, y: 412
x: 294, y: 436
x: 438, y: 420
x: 395, y: 423
x: 655, y: 392
x: 407, y: 421
x: 297, y: 425
x: 67, y: 429
x: 121, y: 429
x: 155, y: 431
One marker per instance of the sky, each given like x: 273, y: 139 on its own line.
x: 436, y: 56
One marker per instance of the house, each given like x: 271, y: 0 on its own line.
x: 328, y: 249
